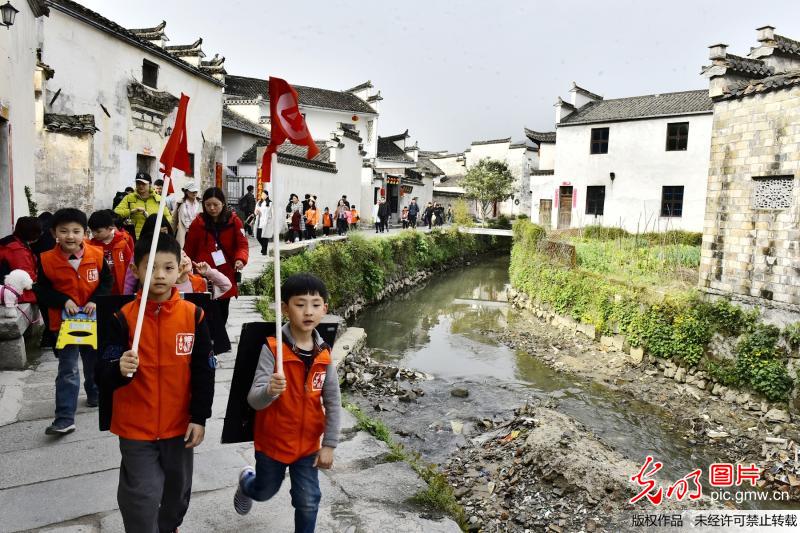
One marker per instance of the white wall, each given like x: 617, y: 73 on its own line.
x: 17, y: 105
x: 92, y: 68
x: 547, y: 156
x: 641, y: 164
x: 329, y: 187
x: 234, y: 144
x: 519, y: 160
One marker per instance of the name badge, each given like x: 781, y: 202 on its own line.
x: 218, y: 257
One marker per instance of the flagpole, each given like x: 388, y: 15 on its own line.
x: 149, y: 272
x: 276, y: 250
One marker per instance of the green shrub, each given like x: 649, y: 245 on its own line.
x: 792, y: 334
x: 359, y: 267
x: 678, y: 327
x: 604, y: 233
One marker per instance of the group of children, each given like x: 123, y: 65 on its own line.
x: 157, y: 399
x: 303, y: 218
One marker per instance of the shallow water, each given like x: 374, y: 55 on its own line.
x: 435, y: 329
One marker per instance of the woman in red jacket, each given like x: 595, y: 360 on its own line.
x: 217, y: 237
x: 16, y: 253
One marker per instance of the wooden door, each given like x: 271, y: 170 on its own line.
x: 564, y: 207
x: 546, y: 213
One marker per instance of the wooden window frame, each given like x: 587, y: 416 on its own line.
x: 598, y: 144
x: 669, y: 197
x: 676, y: 140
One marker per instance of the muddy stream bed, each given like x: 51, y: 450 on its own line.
x: 458, y: 329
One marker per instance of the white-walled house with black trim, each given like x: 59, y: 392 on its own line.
x: 640, y: 163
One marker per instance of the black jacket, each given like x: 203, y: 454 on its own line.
x: 109, y: 378
x: 383, y: 210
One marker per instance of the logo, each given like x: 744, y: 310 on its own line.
x: 184, y: 342
x: 91, y: 274
x: 318, y: 381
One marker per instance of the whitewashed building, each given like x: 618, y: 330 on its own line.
x: 21, y: 78
x: 348, y: 118
x: 640, y: 163
x: 111, y: 104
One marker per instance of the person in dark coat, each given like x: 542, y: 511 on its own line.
x: 427, y: 215
x: 247, y: 206
x: 383, y: 213
x: 413, y: 213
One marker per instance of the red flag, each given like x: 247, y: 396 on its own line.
x: 287, y: 124
x: 176, y: 152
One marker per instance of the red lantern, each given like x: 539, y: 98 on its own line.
x: 354, y: 118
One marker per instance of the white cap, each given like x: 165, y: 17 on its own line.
x: 192, y: 187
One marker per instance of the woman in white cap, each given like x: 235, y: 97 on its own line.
x: 186, y: 210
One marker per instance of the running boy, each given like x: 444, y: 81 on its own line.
x: 159, y: 413
x: 70, y: 276
x: 116, y: 249
x: 289, y: 414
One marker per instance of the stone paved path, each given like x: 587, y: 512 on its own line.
x: 69, y: 484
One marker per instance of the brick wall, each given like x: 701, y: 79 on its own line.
x: 753, y: 254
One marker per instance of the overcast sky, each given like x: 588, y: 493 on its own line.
x: 457, y: 71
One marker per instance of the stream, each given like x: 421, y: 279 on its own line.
x: 436, y: 329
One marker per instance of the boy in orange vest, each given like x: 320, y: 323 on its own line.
x: 70, y: 276
x: 327, y: 222
x: 290, y: 418
x: 160, y: 411
x: 116, y: 249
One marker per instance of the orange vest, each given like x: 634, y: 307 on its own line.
x: 291, y: 427
x: 199, y: 283
x: 354, y: 216
x: 327, y: 220
x: 121, y: 254
x: 155, y: 404
x: 78, y: 286
x: 312, y: 216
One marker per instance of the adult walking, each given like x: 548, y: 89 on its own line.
x: 413, y: 213
x: 217, y: 237
x: 376, y: 217
x: 186, y: 210
x: 427, y: 215
x: 342, y: 217
x: 247, y: 206
x: 295, y: 219
x: 141, y: 203
x: 264, y: 221
x: 384, y: 214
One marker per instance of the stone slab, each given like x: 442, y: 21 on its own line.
x: 58, y: 460
x: 399, y: 484
x: 29, y: 434
x: 52, y: 502
x: 375, y: 518
x: 12, y: 354
x: 362, y: 448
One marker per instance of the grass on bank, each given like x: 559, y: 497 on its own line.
x: 675, y: 324
x: 358, y: 267
x: 438, y: 495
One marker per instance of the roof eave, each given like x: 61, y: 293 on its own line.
x: 155, y: 50
x: 648, y: 117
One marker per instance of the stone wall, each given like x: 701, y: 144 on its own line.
x: 64, y: 172
x: 751, y: 241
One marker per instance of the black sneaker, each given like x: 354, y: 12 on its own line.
x: 53, y: 429
x: 92, y: 402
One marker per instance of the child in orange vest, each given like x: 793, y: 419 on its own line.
x: 312, y: 219
x: 327, y: 222
x: 354, y: 218
x: 292, y: 399
x: 70, y: 276
x: 157, y: 399
x: 116, y: 248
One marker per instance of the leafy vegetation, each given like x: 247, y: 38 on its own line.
x: 359, y: 267
x: 678, y: 325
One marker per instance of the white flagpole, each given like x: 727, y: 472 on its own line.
x: 276, y: 250
x: 149, y: 273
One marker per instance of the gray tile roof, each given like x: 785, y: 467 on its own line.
x: 492, y: 141
x: 540, y: 136
x: 387, y: 149
x: 290, y: 154
x: 234, y: 121
x: 770, y: 83
x: 70, y: 124
x: 749, y: 67
x: 366, y: 85
x: 638, y: 107
x: 151, y: 34
x: 97, y: 20
x: 538, y: 172
x: 251, y: 88
x: 786, y: 45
